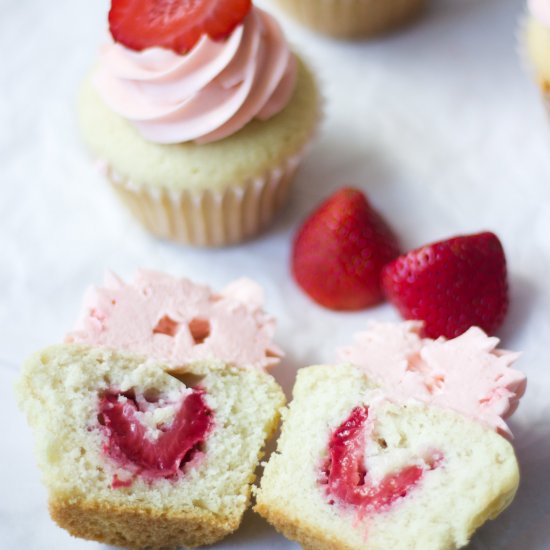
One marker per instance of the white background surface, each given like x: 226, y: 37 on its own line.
x: 440, y: 125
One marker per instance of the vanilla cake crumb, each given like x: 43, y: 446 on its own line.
x: 59, y: 390
x: 475, y: 480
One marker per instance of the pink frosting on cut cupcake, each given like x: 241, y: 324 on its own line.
x: 207, y: 94
x: 178, y: 321
x: 467, y: 374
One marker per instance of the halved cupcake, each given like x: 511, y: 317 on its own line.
x: 138, y: 455
x: 354, y: 470
x: 151, y: 420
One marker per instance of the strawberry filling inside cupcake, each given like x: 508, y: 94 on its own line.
x: 346, y: 473
x: 150, y: 437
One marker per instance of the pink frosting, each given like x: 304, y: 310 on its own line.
x: 541, y: 10
x: 467, y: 374
x: 206, y: 94
x: 178, y: 321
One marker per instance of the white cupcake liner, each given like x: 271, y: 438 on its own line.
x: 210, y: 217
x: 545, y: 93
x: 353, y: 18
x: 543, y: 84
x: 521, y: 42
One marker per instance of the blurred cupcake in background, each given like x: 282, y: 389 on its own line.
x: 199, y: 115
x: 537, y: 45
x: 353, y: 18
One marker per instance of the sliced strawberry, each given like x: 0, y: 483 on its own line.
x: 451, y: 285
x: 346, y: 470
x: 346, y: 475
x: 340, y: 250
x: 127, y: 442
x: 173, y: 24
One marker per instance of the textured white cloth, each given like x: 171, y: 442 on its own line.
x: 440, y: 125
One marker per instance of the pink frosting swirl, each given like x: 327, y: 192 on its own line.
x: 540, y: 9
x: 207, y: 94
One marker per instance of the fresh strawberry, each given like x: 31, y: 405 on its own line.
x: 340, y: 250
x: 173, y: 24
x: 451, y: 285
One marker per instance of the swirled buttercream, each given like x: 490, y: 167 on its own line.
x: 540, y: 9
x: 207, y: 94
x: 468, y: 374
x: 178, y: 321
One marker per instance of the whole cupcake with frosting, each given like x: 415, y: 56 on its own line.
x: 353, y: 18
x: 199, y: 114
x: 537, y: 41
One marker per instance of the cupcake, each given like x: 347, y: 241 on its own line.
x: 355, y: 470
x: 353, y: 18
x: 399, y: 445
x: 152, y: 417
x: 537, y: 42
x: 198, y: 117
x: 137, y: 455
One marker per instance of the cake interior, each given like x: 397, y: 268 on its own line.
x: 100, y: 490
x: 421, y: 478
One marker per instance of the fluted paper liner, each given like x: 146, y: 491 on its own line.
x: 528, y: 64
x: 210, y: 217
x: 353, y: 18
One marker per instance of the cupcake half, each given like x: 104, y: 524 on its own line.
x: 200, y: 139
x: 537, y: 43
x: 151, y: 419
x: 398, y: 446
x: 137, y: 455
x: 355, y: 470
x: 353, y: 18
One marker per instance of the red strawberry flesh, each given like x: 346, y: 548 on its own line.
x: 128, y: 444
x: 347, y: 478
x: 451, y: 285
x: 340, y: 250
x: 173, y: 24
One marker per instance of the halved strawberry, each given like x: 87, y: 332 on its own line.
x: 341, y: 249
x: 451, y: 285
x: 346, y: 471
x: 127, y: 440
x: 173, y: 24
